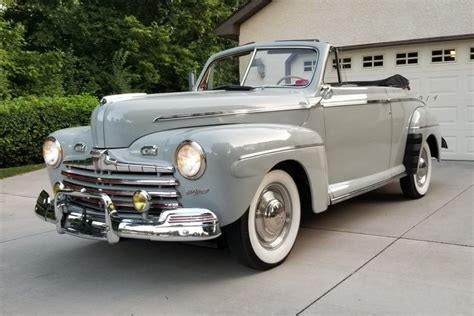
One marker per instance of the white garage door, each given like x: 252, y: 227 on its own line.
x: 441, y: 74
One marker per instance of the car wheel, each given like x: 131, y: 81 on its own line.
x: 416, y: 185
x: 264, y: 236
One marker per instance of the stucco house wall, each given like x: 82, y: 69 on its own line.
x: 352, y: 22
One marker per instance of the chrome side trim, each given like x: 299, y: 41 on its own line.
x: 349, y: 102
x: 413, y: 129
x: 405, y: 99
x: 277, y: 150
x: 187, y: 116
x: 369, y: 188
x: 354, y: 102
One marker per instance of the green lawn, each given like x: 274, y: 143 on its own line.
x: 10, y: 172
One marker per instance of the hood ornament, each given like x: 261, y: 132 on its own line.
x: 101, y: 159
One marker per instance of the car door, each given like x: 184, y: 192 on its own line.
x: 358, y: 137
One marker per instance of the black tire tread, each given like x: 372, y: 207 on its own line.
x: 407, y: 183
x: 238, y: 240
x: 408, y: 187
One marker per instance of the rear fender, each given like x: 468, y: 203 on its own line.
x: 423, y: 127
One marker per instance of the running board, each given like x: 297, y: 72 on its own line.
x: 351, y: 194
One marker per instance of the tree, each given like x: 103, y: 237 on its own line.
x: 115, y: 46
x: 11, y: 39
x: 26, y: 72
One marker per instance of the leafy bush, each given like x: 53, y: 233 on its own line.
x: 26, y: 121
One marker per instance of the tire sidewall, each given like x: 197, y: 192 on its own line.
x: 274, y: 256
x: 421, y: 190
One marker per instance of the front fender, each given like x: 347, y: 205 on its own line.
x: 239, y: 156
x: 68, y: 138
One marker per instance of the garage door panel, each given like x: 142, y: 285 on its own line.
x: 443, y: 85
x: 470, y: 114
x: 470, y: 84
x: 470, y: 145
x: 452, y: 143
x: 442, y: 100
x: 414, y: 85
x: 445, y: 115
x: 460, y: 142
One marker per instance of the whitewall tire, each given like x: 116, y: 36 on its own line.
x: 264, y: 236
x: 416, y: 185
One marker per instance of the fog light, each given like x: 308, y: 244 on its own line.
x: 58, y: 186
x: 141, y: 201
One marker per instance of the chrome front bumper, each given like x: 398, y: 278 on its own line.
x: 184, y: 224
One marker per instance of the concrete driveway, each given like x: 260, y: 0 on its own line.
x: 375, y: 254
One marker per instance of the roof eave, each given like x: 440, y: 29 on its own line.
x: 230, y: 28
x: 408, y: 42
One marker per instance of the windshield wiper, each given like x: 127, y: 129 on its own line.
x: 234, y: 88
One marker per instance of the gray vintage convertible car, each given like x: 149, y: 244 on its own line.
x: 263, y: 135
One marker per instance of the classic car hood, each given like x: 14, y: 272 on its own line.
x: 118, y: 124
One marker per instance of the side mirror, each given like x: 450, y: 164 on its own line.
x: 326, y: 91
x: 191, y: 80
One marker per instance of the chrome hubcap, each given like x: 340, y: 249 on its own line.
x: 422, y: 171
x: 273, y: 216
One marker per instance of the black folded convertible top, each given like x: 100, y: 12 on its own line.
x: 397, y: 81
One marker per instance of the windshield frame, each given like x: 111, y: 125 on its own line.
x: 249, y: 66
x: 252, y: 50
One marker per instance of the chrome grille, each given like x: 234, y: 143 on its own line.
x: 120, y: 184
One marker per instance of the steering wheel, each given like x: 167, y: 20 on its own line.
x: 288, y: 77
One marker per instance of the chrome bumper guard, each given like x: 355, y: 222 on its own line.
x: 184, y: 224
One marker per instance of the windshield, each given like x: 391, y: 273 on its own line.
x: 273, y: 68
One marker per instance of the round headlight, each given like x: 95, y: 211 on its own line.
x: 190, y: 160
x: 52, y: 152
